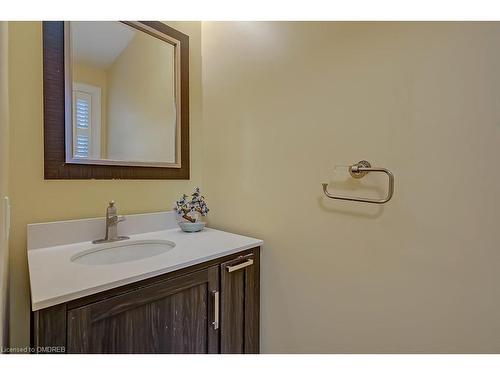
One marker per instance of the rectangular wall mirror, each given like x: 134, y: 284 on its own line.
x: 120, y: 100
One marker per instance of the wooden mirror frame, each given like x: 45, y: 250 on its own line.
x: 55, y: 165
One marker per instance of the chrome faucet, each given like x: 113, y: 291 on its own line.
x: 112, y: 220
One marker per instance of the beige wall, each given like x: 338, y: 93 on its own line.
x: 98, y: 78
x: 285, y: 102
x: 4, y: 177
x: 141, y: 103
x: 35, y: 200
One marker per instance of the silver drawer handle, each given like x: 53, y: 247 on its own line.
x: 247, y: 263
x: 215, y: 323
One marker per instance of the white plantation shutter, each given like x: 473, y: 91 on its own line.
x: 83, y: 107
x: 86, y: 121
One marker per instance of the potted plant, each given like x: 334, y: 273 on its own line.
x: 189, y: 208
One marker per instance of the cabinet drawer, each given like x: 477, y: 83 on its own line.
x: 240, y: 304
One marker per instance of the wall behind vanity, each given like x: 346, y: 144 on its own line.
x: 284, y: 102
x: 35, y: 200
x: 4, y: 180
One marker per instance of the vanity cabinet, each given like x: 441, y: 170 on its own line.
x: 212, y: 307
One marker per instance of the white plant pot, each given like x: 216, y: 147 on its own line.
x: 187, y: 226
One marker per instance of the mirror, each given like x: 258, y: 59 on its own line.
x: 122, y: 95
x: 115, y: 100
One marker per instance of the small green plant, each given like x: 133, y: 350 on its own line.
x: 189, y: 205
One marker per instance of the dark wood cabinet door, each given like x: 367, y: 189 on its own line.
x: 240, y: 298
x: 173, y: 316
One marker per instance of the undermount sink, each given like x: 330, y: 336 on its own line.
x: 121, y: 252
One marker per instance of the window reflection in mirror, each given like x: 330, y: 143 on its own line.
x: 123, y: 94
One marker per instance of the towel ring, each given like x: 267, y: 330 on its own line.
x: 360, y: 170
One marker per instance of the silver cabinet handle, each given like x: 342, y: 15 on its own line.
x: 215, y: 323
x: 237, y: 267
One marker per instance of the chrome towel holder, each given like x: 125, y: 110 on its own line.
x: 360, y: 170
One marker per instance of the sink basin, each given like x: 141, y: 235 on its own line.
x: 121, y: 252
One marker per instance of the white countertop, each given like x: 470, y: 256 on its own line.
x: 55, y: 279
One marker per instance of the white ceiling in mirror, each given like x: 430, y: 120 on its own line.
x: 99, y: 43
